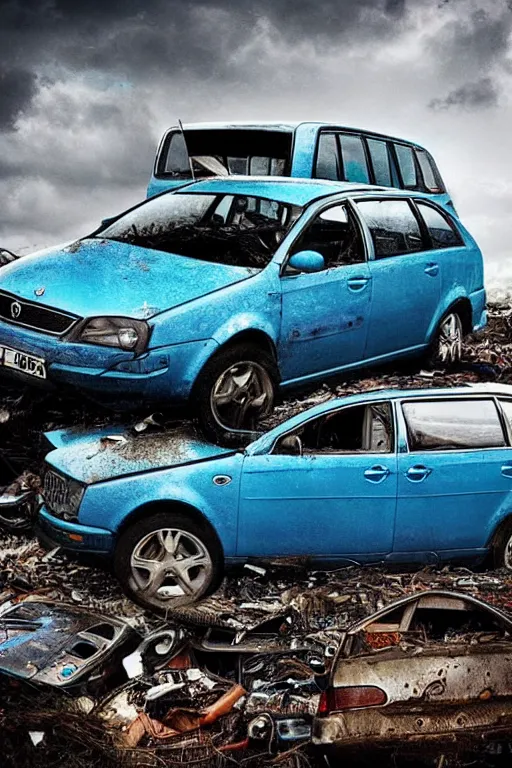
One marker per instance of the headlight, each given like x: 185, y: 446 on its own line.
x: 123, y: 332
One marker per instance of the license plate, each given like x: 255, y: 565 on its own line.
x: 33, y: 366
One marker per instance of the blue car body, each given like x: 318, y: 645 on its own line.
x: 300, y: 150
x: 391, y: 502
x: 315, y: 324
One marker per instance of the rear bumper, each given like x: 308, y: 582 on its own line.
x: 383, y: 727
x: 53, y: 532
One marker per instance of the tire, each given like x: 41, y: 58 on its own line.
x: 502, y: 547
x: 446, y: 346
x: 243, y: 376
x: 144, y: 540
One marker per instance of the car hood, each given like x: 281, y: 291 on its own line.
x: 103, y: 277
x: 104, y: 454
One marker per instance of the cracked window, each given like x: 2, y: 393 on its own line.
x: 335, y: 234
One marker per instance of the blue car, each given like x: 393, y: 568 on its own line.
x: 222, y: 292
x: 309, y: 150
x: 419, y: 476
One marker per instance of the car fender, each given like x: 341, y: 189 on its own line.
x: 502, y: 514
x: 456, y: 293
x: 246, y: 322
x: 113, y: 504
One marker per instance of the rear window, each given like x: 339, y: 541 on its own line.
x: 431, y: 180
x: 442, y: 233
x: 354, y: 159
x: 450, y: 425
x: 393, y: 227
x: 222, y: 152
x: 405, y: 157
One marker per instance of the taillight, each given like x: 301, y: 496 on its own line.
x: 353, y: 697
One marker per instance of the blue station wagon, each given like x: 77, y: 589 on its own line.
x: 419, y: 476
x: 300, y: 150
x: 219, y: 293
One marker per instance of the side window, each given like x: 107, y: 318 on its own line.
x: 451, y: 425
x: 354, y: 159
x: 177, y: 161
x: 442, y: 233
x: 428, y: 171
x: 357, y: 429
x: 335, y: 234
x: 405, y: 157
x: 506, y: 407
x: 327, y: 162
x: 380, y: 161
x: 393, y: 226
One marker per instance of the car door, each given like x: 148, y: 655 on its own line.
x: 455, y: 476
x: 337, y: 498
x: 325, y: 314
x: 405, y: 275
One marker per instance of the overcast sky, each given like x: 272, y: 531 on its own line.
x: 87, y: 87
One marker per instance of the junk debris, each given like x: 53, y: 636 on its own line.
x: 246, y: 677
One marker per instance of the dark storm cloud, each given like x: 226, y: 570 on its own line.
x: 478, y: 95
x: 140, y: 39
x: 17, y: 88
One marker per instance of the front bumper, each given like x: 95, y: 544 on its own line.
x: 166, y: 374
x: 54, y: 532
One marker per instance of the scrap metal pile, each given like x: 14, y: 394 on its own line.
x: 89, y: 679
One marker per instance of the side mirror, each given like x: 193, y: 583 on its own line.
x: 108, y: 221
x: 291, y: 445
x: 307, y: 261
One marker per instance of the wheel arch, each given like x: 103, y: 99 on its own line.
x: 460, y: 304
x: 169, y: 505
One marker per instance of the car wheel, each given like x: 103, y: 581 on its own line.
x: 235, y: 390
x: 166, y: 560
x: 446, y: 348
x: 502, y: 548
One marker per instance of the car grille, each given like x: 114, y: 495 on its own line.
x: 35, y: 316
x: 55, y: 492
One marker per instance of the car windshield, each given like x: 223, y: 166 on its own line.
x: 237, y: 230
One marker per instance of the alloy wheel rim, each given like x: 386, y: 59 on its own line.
x: 449, y: 348
x: 242, y: 395
x: 170, y: 564
x: 507, y: 557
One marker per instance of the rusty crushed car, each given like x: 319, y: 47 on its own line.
x: 434, y: 666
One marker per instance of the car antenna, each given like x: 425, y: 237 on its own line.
x: 190, y: 162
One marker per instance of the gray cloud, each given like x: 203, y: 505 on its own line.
x: 481, y: 94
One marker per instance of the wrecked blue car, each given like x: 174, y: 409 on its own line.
x: 305, y: 149
x: 419, y: 476
x: 219, y: 293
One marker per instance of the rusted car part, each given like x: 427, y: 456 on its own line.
x: 58, y: 645
x: 19, y: 503
x: 442, y: 671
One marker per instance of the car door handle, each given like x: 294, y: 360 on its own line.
x: 506, y: 470
x: 432, y: 269
x: 376, y: 474
x: 417, y: 473
x: 357, y: 283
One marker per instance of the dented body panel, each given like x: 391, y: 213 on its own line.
x: 437, y: 689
